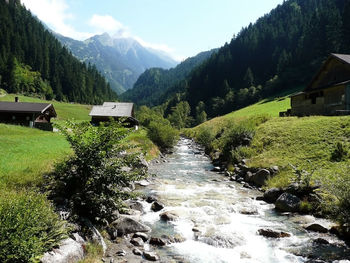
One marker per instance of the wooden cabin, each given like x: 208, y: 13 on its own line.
x: 116, y: 110
x: 329, y: 91
x: 35, y: 115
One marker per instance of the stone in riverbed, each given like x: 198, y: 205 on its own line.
x: 287, y: 203
x: 272, y: 234
x: 157, y: 206
x: 260, y: 177
x: 69, y: 251
x: 144, y: 236
x: 315, y: 227
x: 169, y: 216
x: 151, y: 256
x: 151, y: 199
x: 157, y: 241
x: 137, y: 251
x: 127, y: 225
x: 271, y: 195
x: 137, y: 241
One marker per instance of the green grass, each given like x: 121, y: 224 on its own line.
x: 307, y: 143
x: 28, y: 153
x: 64, y: 110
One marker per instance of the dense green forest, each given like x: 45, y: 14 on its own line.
x: 32, y: 61
x: 280, y: 52
x: 156, y: 84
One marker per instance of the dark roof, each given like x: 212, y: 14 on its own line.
x: 113, y: 109
x: 26, y: 107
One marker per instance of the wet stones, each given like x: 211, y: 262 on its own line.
x: 169, y: 216
x: 287, y: 203
x: 137, y: 241
x: 137, y: 252
x: 127, y: 225
x: 157, y: 241
x: 151, y: 199
x: 157, y: 206
x: 151, y: 256
x: 260, y: 177
x: 271, y: 195
x: 143, y: 236
x: 315, y: 227
x: 272, y: 234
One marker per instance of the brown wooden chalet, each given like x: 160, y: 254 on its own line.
x: 329, y: 91
x: 36, y: 115
x: 117, y: 110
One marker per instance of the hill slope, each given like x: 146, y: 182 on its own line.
x: 155, y: 84
x: 120, y: 60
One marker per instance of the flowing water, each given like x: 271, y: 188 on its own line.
x: 225, y: 217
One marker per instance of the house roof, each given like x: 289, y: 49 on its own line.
x: 113, y: 109
x: 26, y: 107
x: 342, y: 57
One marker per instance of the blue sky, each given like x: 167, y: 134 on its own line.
x: 182, y: 28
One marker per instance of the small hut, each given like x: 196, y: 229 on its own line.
x: 36, y: 115
x: 329, y: 91
x: 117, y: 110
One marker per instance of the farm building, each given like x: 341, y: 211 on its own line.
x: 36, y: 115
x: 117, y: 110
x: 329, y: 91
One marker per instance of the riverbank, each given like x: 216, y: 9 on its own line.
x: 220, y: 220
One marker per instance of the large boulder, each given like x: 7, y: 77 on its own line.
x: 260, y: 177
x: 157, y: 241
x: 69, y: 251
x: 288, y: 203
x: 151, y: 256
x: 271, y: 195
x: 128, y: 225
x: 316, y: 227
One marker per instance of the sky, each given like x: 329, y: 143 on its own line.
x: 182, y: 28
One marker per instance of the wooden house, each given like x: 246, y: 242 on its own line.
x: 36, y: 115
x: 117, y: 110
x: 329, y: 91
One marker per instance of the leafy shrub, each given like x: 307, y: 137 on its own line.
x: 235, y: 136
x: 205, y: 137
x: 164, y: 135
x: 339, y: 199
x: 340, y: 152
x: 93, y: 179
x: 28, y: 226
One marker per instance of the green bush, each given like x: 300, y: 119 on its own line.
x: 164, y: 135
x: 28, y: 226
x: 340, y: 152
x: 205, y: 137
x: 95, y: 177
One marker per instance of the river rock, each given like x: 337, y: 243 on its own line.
x: 316, y: 227
x: 121, y: 253
x: 260, y: 177
x: 248, y: 176
x: 271, y: 195
x: 151, y: 256
x: 135, y: 205
x: 169, y: 216
x: 137, y: 241
x: 151, y: 199
x: 157, y: 206
x: 69, y: 251
x: 320, y: 241
x: 137, y: 251
x: 287, y: 203
x: 144, y: 236
x: 272, y: 234
x: 249, y: 211
x: 157, y: 241
x: 216, y: 169
x: 127, y: 225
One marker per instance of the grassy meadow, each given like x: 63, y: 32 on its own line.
x: 308, y: 143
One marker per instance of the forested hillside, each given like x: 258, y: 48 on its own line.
x: 281, y: 51
x: 32, y: 61
x: 155, y: 84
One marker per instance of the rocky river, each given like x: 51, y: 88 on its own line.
x: 221, y: 221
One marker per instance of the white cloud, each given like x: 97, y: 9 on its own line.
x: 106, y: 23
x: 55, y: 14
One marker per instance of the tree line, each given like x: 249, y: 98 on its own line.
x: 27, y: 46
